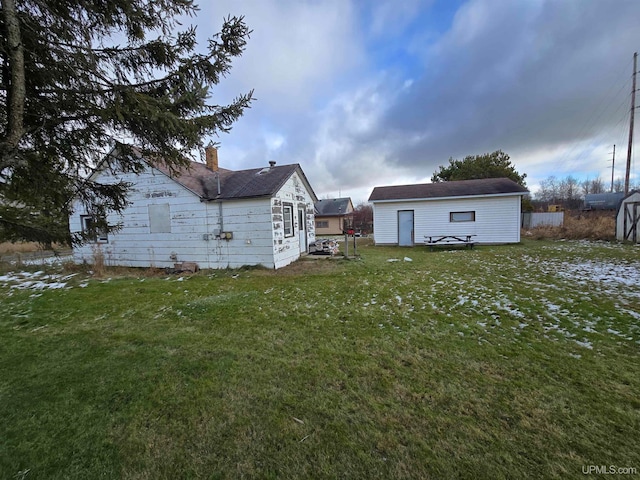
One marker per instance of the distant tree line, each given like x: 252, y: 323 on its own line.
x: 570, y: 192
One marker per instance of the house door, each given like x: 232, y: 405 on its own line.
x: 405, y: 228
x: 302, y: 229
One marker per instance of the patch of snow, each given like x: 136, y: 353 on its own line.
x: 585, y: 344
x: 49, y: 260
x: 407, y: 259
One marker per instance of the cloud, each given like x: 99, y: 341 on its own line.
x: 295, y: 49
x: 519, y: 76
x: 372, y: 93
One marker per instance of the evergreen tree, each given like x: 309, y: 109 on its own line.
x: 488, y: 165
x: 77, y: 78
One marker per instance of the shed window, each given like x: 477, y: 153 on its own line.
x: 159, y: 218
x: 322, y: 224
x: 287, y: 210
x: 89, y: 227
x: 462, y: 216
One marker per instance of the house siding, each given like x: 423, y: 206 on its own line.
x: 288, y: 249
x: 194, y: 225
x: 497, y: 219
x: 334, y: 225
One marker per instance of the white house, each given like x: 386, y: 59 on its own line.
x: 214, y: 217
x: 628, y: 218
x: 487, y: 208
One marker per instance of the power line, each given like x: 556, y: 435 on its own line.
x: 606, y: 100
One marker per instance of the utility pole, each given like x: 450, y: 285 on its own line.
x: 613, y: 166
x: 633, y: 110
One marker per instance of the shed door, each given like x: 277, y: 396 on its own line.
x: 302, y: 229
x: 405, y: 228
x: 631, y: 221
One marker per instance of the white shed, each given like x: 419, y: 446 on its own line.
x: 214, y: 217
x: 487, y: 208
x: 628, y: 218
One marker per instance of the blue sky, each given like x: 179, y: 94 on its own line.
x: 368, y: 93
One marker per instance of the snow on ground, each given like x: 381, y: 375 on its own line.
x: 560, y: 291
x: 561, y: 287
x: 53, y: 260
x: 35, y: 280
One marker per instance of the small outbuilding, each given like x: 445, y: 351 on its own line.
x: 628, y: 218
x: 333, y: 215
x: 204, y: 215
x: 488, y: 209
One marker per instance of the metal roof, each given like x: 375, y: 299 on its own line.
x: 461, y: 188
x: 333, y: 207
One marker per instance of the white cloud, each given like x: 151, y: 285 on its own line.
x: 524, y: 77
x: 296, y: 48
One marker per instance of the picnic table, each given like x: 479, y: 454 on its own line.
x: 446, y: 240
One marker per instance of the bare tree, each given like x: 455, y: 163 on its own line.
x: 597, y: 185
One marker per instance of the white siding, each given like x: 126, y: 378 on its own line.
x: 287, y: 249
x: 194, y: 225
x: 497, y: 219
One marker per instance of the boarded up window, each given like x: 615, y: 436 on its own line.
x: 159, y: 218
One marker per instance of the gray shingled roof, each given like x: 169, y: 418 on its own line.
x: 332, y: 207
x: 462, y: 188
x: 255, y: 182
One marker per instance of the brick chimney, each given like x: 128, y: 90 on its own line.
x: 212, y: 158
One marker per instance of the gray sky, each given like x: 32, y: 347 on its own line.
x: 368, y: 93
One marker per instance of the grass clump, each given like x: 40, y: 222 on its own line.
x: 499, y: 362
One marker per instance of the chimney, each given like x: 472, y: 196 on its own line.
x: 212, y: 157
x: 272, y: 163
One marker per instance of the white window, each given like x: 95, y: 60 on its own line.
x: 287, y: 211
x: 462, y: 216
x: 94, y: 234
x: 159, y: 218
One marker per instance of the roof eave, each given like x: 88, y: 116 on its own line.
x: 456, y: 197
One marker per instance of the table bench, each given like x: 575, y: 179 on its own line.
x: 448, y: 240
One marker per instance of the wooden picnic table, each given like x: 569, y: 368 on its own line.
x: 446, y: 240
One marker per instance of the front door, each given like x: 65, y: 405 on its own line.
x: 405, y: 228
x: 302, y: 229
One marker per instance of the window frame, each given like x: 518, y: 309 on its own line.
x: 322, y: 223
x: 288, y: 207
x: 98, y: 236
x: 472, y: 215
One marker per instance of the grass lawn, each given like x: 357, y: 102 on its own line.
x: 515, y: 361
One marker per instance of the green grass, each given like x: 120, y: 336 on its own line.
x: 501, y: 362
